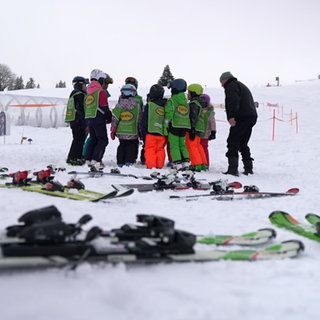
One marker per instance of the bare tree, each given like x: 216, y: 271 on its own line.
x: 7, y: 77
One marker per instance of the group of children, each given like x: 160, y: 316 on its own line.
x: 179, y: 127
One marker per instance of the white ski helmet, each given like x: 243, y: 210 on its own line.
x: 129, y: 90
x: 97, y: 74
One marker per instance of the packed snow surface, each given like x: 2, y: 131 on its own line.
x: 281, y: 289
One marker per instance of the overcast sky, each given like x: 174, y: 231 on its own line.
x: 256, y: 40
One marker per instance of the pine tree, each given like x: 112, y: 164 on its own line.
x: 61, y: 84
x: 166, y: 76
x: 18, y: 83
x: 30, y: 84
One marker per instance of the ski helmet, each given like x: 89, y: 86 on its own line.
x: 129, y: 90
x: 108, y: 79
x: 156, y: 92
x: 97, y: 74
x: 206, y: 98
x: 79, y: 79
x: 196, y: 88
x: 132, y: 80
x: 177, y: 85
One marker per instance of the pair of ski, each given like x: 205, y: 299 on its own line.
x: 43, y: 239
x: 231, y: 195
x: 71, y: 193
x: 162, y: 184
x: 113, y: 172
x: 222, y: 190
x: 286, y: 221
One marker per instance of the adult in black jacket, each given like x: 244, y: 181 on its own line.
x: 242, y: 116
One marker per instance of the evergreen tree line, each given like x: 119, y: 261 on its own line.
x: 9, y: 81
x: 12, y: 82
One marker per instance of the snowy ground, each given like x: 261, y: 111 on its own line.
x: 285, y: 289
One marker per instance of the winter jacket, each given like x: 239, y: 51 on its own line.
x: 196, y: 105
x: 145, y: 117
x: 211, y: 124
x: 239, y: 102
x: 127, y: 104
x: 104, y: 114
x: 79, y: 107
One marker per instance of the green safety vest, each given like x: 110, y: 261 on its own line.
x: 181, y: 111
x: 91, y: 104
x: 155, y: 118
x: 200, y: 125
x: 71, y: 109
x: 128, y: 119
x: 206, y: 113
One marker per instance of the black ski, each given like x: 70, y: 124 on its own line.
x: 96, y: 174
x: 50, y: 242
x: 239, y: 195
x: 193, y: 184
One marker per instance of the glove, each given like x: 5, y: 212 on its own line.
x: 165, y: 128
x: 192, y: 134
x: 113, y: 132
x: 212, y: 135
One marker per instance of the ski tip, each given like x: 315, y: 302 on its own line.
x: 293, y: 190
x: 309, y: 215
x: 299, y: 244
x: 272, y: 232
x: 235, y: 185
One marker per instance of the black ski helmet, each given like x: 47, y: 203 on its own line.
x: 177, y: 85
x: 79, y: 79
x: 156, y: 92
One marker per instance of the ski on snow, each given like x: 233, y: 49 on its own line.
x: 286, y: 221
x: 239, y: 195
x: 50, y: 188
x: 192, y: 184
x: 43, y: 239
x: 115, y: 173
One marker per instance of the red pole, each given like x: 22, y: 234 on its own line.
x: 273, y: 123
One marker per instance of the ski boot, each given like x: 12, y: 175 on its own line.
x: 165, y: 182
x: 44, y: 176
x: 75, y: 184
x: 220, y: 187
x: 251, y: 188
x: 53, y: 186
x: 20, y: 178
x: 115, y: 170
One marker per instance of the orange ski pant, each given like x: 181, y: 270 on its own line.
x: 196, y: 152
x: 154, y: 151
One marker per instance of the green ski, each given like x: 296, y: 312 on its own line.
x: 286, y: 221
x: 258, y: 237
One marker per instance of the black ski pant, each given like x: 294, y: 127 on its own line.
x: 239, y: 137
x: 127, y: 151
x: 78, y: 138
x: 98, y: 142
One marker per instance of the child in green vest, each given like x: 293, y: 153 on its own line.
x: 176, y: 124
x: 75, y: 118
x: 126, y: 117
